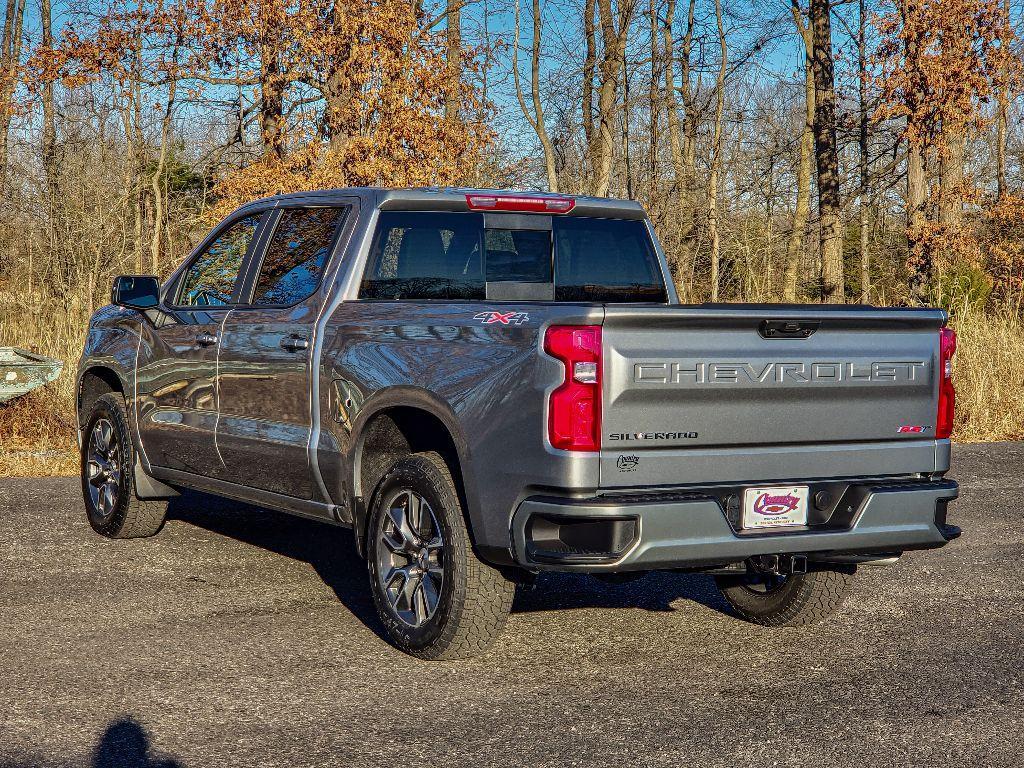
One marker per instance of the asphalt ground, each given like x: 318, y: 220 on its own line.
x: 240, y: 637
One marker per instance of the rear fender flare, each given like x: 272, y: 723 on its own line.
x: 428, y: 402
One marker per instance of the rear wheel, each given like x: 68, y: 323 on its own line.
x: 787, y: 601
x: 108, y: 482
x: 436, y: 599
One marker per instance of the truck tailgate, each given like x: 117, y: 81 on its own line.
x: 716, y: 394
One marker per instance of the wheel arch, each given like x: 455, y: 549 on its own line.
x: 93, y: 382
x: 401, y: 421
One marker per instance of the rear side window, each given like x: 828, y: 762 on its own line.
x: 296, y: 255
x: 426, y: 256
x: 606, y: 260
x: 210, y: 279
x: 466, y: 256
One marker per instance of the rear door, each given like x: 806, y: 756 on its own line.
x: 746, y: 394
x: 264, y: 367
x: 177, y: 374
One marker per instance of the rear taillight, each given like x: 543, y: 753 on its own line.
x: 574, y: 410
x: 520, y: 203
x: 947, y: 395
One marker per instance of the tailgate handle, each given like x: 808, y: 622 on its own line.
x: 787, y: 329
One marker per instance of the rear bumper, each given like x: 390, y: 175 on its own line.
x: 650, y: 532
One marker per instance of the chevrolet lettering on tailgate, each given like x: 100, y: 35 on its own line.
x: 688, y: 372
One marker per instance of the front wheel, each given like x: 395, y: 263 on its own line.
x: 436, y: 599
x: 787, y: 601
x: 108, y: 482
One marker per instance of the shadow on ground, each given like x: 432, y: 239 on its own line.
x: 331, y: 553
x: 124, y: 744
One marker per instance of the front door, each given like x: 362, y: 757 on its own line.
x: 264, y: 368
x: 177, y: 371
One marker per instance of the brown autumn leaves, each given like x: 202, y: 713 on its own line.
x: 387, y: 83
x: 382, y: 92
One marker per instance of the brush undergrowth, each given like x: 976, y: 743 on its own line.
x: 37, y: 431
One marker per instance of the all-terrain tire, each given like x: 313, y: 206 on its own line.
x: 474, y: 599
x: 799, y: 600
x: 126, y: 517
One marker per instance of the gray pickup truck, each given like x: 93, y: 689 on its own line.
x: 486, y: 385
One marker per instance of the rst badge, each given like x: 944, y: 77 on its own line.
x: 494, y: 317
x: 912, y: 429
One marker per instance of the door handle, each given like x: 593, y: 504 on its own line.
x: 294, y: 343
x: 206, y: 339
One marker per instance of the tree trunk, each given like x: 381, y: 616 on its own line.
x: 589, y: 69
x: 1001, y: 134
x: 626, y: 155
x: 689, y: 126
x: 826, y: 154
x: 157, y: 184
x: 536, y: 118
x: 273, y: 85
x: 716, y: 155
x: 1002, y: 113
x: 653, y: 111
x: 49, y: 148
x: 865, y: 192
x: 453, y: 35
x: 682, y: 142
x: 917, y: 191
x: 613, y: 53
x: 10, y: 60
x: 795, y: 246
x: 671, y: 106
x: 951, y: 171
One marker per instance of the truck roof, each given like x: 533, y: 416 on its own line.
x: 454, y: 199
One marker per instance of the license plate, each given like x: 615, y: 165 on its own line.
x: 776, y: 507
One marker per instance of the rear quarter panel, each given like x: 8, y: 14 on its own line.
x: 486, y: 381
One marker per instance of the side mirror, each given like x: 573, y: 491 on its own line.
x: 135, y: 291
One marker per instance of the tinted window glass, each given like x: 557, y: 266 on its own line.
x: 518, y: 255
x: 294, y: 263
x: 425, y: 256
x: 605, y: 260
x: 210, y: 280
x: 438, y: 256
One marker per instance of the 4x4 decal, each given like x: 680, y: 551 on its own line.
x: 503, y: 318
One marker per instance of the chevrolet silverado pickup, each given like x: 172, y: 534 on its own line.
x: 487, y: 385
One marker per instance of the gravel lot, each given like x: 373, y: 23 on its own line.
x: 246, y: 638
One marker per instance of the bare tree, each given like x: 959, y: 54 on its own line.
x: 801, y: 212
x: 716, y: 153
x: 10, y: 61
x: 614, y: 24
x: 536, y: 119
x: 865, y: 180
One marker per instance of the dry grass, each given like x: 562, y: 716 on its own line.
x: 37, y: 434
x: 37, y: 431
x: 988, y: 372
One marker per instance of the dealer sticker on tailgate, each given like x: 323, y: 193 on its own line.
x: 777, y: 507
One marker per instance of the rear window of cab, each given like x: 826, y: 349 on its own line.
x: 511, y: 257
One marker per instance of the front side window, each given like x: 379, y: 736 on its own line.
x: 210, y: 280
x: 297, y: 254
